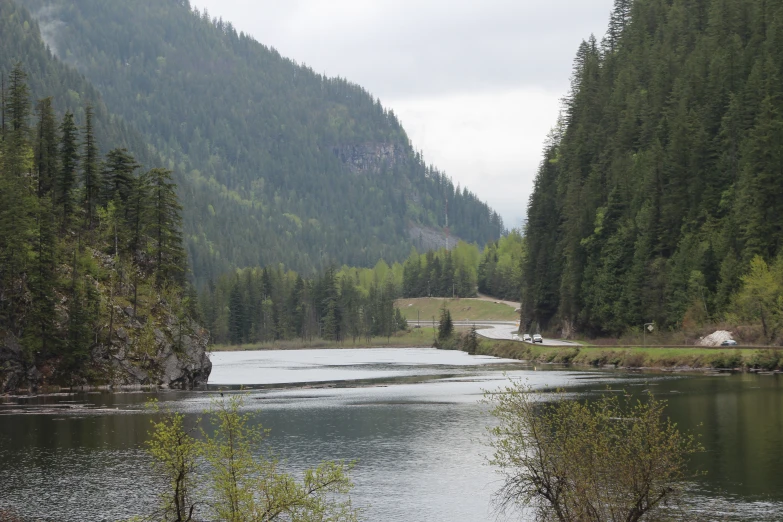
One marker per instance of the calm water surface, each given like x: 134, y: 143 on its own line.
x: 410, y: 416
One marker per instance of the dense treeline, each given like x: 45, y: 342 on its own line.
x: 441, y: 273
x: 461, y: 271
x: 271, y: 304
x: 266, y: 151
x: 664, y: 179
x: 79, y: 235
x: 500, y: 268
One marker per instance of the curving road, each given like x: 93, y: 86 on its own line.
x: 503, y: 330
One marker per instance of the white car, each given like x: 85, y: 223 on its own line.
x: 538, y: 339
x: 527, y: 339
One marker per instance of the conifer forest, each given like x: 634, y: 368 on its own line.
x: 661, y: 184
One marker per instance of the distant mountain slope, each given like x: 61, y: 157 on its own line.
x: 278, y: 163
x: 20, y: 41
x: 665, y: 178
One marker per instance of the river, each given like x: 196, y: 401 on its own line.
x: 411, y: 417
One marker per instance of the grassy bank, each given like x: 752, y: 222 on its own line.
x: 461, y: 309
x: 637, y: 357
x: 414, y: 338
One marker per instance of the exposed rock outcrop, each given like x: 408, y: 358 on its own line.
x: 426, y: 238
x: 15, y: 371
x: 170, y: 358
x: 369, y: 157
x: 164, y: 353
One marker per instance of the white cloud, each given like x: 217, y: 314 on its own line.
x: 490, y: 142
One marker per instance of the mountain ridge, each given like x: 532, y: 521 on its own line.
x: 315, y: 169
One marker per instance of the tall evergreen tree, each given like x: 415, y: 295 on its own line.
x: 46, y: 153
x: 90, y: 168
x: 69, y: 161
x: 165, y: 228
x: 118, y: 177
x: 17, y: 202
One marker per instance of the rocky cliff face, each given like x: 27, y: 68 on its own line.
x: 166, y: 353
x: 369, y: 157
x: 428, y: 238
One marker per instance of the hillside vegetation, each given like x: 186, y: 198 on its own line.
x: 276, y: 164
x: 660, y: 195
x: 272, y: 304
x: 92, y: 268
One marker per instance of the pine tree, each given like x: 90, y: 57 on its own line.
x: 331, y: 326
x: 445, y: 325
x: 46, y: 154
x: 471, y: 341
x: 237, y: 317
x: 165, y: 228
x: 40, y: 336
x: 90, y: 174
x: 17, y: 201
x: 137, y: 213
x: 118, y: 178
x: 69, y: 160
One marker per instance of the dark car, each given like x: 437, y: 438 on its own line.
x: 729, y: 342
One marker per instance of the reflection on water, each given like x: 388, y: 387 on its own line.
x: 415, y: 425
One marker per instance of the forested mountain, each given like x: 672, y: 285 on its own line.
x: 21, y: 42
x: 276, y: 164
x: 664, y: 179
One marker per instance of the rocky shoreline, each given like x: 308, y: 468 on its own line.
x: 175, y: 357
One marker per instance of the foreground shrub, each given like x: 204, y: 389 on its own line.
x: 614, y: 459
x: 220, y: 475
x: 765, y: 360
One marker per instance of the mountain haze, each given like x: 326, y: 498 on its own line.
x: 276, y: 164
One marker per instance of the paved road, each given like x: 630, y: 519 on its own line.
x: 503, y: 330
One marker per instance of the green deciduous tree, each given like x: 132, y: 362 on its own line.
x: 240, y: 483
x: 760, y: 297
x: 175, y: 454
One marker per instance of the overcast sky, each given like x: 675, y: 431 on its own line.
x: 477, y: 84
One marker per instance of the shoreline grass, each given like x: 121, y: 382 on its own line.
x: 635, y: 357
